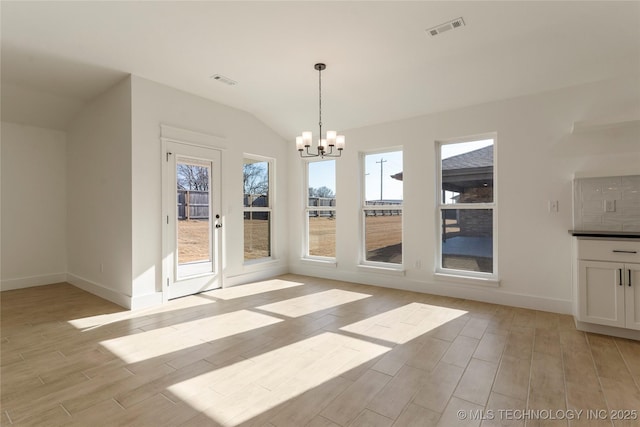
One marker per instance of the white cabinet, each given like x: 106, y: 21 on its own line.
x: 632, y: 297
x: 609, y: 283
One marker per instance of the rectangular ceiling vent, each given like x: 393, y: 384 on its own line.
x: 222, y: 79
x: 443, y: 28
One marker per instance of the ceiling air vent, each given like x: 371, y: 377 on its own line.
x: 442, y: 28
x: 222, y: 79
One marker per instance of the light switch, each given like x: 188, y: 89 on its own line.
x: 609, y: 205
x: 553, y: 206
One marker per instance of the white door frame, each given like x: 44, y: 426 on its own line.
x: 170, y: 137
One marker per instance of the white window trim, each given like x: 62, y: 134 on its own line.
x: 319, y: 260
x: 363, y: 264
x: 463, y: 276
x: 247, y: 263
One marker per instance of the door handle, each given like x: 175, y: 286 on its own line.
x: 621, y: 283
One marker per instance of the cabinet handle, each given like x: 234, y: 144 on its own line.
x: 629, y: 270
x: 621, y: 283
x: 619, y: 251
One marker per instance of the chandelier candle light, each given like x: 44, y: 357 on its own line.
x: 326, y: 145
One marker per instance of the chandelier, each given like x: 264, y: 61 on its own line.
x: 327, y: 145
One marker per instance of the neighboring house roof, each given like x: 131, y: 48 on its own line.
x: 480, y: 158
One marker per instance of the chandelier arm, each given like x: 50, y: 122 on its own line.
x: 307, y: 154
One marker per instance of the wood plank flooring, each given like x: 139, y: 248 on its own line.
x: 299, y: 351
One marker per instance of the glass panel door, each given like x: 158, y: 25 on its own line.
x: 193, y: 233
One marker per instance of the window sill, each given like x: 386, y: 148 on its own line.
x: 467, y: 280
x: 383, y: 270
x: 319, y: 262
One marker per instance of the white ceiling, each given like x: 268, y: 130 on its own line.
x: 381, y: 64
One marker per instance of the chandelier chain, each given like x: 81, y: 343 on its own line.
x: 320, y: 100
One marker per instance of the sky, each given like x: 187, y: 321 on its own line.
x: 391, y: 165
x: 322, y: 173
x: 450, y: 150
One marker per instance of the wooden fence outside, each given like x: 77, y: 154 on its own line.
x: 324, y: 202
x: 193, y: 204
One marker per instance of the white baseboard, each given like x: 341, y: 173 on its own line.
x: 99, y: 290
x: 28, y: 282
x: 267, y: 273
x: 146, y: 301
x: 484, y: 294
x: 608, y: 330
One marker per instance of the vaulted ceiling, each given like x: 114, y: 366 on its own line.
x: 381, y: 63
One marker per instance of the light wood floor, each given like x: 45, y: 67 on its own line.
x: 298, y: 351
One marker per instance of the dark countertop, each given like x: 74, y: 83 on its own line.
x: 611, y: 234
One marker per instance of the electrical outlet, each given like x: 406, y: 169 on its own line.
x: 609, y: 205
x: 553, y: 206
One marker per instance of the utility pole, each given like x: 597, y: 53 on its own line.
x: 382, y: 161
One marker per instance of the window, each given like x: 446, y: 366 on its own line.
x: 382, y: 208
x: 258, y: 207
x: 321, y: 209
x: 467, y: 206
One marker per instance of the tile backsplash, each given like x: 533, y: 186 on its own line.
x: 607, y: 203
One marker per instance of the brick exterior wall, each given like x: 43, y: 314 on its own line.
x: 476, y: 222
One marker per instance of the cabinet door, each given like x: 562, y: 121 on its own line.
x: 632, y: 295
x: 601, y: 294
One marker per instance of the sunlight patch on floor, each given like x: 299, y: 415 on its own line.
x: 227, y: 324
x: 307, y: 304
x: 240, y: 391
x: 146, y: 345
x: 405, y: 323
x: 99, y: 320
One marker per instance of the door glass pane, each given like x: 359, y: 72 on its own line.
x: 322, y: 233
x: 257, y: 235
x: 193, y: 221
x: 383, y: 235
x: 467, y: 172
x: 467, y: 239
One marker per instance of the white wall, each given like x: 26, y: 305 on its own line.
x: 99, y: 195
x: 33, y: 206
x: 536, y: 158
x: 155, y: 104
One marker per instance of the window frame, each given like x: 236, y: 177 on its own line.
x: 270, y: 209
x: 363, y: 262
x: 307, y: 209
x: 472, y: 276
